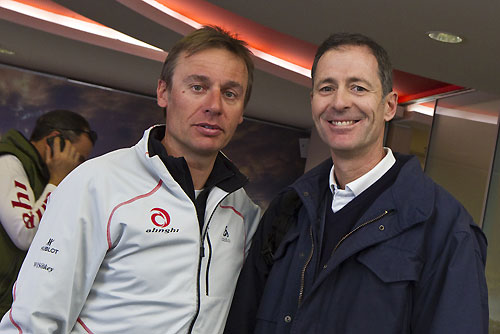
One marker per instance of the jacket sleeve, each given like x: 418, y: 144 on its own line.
x: 452, y: 296
x: 252, y: 279
x: 253, y: 217
x: 20, y: 213
x: 61, y: 264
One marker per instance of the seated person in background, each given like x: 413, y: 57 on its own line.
x: 29, y: 172
x: 151, y: 239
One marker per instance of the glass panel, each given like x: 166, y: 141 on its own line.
x: 491, y: 227
x: 462, y: 146
x: 409, y: 131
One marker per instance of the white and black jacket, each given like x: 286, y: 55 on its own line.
x: 119, y: 250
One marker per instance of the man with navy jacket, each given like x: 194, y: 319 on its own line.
x: 364, y: 242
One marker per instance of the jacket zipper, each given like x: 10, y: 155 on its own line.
x: 209, y: 243
x: 303, y: 273
x: 302, y: 277
x: 208, y: 264
x: 202, y: 254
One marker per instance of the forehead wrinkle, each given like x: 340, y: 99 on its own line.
x: 327, y: 80
x: 358, y: 79
x: 233, y: 84
x: 350, y: 80
x: 197, y: 77
x: 205, y: 79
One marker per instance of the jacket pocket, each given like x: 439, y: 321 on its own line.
x: 390, y: 287
x: 391, y: 264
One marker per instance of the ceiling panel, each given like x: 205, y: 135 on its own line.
x: 279, y: 95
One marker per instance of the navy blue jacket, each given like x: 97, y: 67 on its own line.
x: 414, y: 263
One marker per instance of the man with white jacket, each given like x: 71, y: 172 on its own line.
x: 151, y: 239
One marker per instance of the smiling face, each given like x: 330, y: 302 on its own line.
x: 204, y: 103
x: 348, y: 106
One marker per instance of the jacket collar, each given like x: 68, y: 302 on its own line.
x: 225, y: 175
x: 17, y: 140
x: 411, y: 195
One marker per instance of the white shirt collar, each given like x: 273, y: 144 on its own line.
x: 356, y: 187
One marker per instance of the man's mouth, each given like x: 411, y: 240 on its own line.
x: 209, y: 126
x: 209, y: 129
x: 342, y: 123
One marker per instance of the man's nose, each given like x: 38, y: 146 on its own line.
x: 341, y: 99
x: 214, y: 101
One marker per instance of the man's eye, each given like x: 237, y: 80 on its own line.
x: 326, y: 89
x: 359, y: 89
x: 229, y: 94
x: 197, y: 88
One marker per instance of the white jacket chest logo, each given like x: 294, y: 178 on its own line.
x: 161, y: 219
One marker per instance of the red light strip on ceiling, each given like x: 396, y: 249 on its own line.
x: 161, y: 6
x: 71, y: 22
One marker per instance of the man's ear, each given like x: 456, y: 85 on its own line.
x: 391, y: 104
x: 162, y: 94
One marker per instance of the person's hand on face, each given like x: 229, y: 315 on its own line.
x: 61, y: 162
